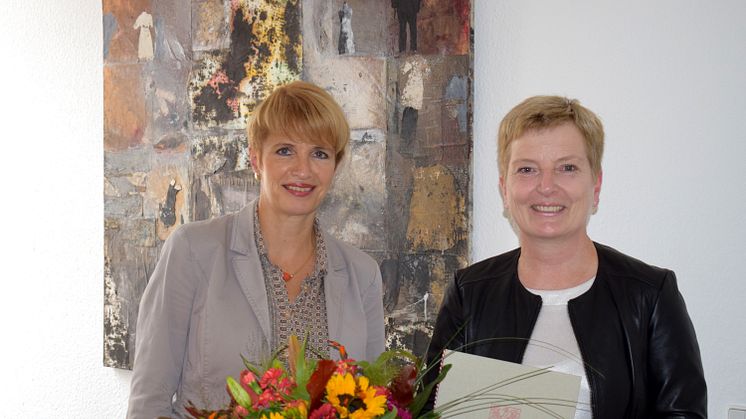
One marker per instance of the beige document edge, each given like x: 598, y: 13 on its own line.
x: 479, y: 387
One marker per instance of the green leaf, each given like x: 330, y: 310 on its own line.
x: 239, y: 394
x: 251, y: 367
x: 419, y: 402
x: 390, y: 415
x: 386, y: 366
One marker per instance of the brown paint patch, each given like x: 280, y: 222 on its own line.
x: 125, y: 118
x: 436, y: 219
x: 444, y: 27
x: 123, y: 43
x: 160, y: 183
x: 438, y: 281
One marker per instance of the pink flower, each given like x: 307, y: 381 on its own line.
x: 271, y: 377
x: 326, y: 411
x: 240, y: 411
x: 401, y: 412
x: 247, y: 377
x: 267, y: 397
x: 344, y: 366
x: 285, y: 386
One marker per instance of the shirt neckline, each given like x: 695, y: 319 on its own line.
x: 562, y: 296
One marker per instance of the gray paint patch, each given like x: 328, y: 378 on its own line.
x: 110, y: 28
x: 457, y: 88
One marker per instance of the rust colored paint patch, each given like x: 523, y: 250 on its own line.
x: 444, y: 27
x: 436, y: 220
x: 123, y: 43
x: 125, y: 116
x: 265, y: 52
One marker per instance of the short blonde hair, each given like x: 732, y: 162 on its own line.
x: 539, y: 112
x: 302, y: 111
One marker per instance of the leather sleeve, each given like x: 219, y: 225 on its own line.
x: 162, y: 329
x: 677, y: 383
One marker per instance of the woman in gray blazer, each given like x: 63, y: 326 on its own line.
x: 241, y: 284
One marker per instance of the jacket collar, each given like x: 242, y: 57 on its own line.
x: 248, y: 267
x: 250, y: 276
x: 335, y: 283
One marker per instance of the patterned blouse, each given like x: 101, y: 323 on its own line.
x: 306, y: 315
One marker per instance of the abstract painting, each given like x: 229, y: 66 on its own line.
x: 181, y: 80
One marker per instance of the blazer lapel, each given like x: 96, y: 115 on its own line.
x: 335, y: 283
x: 248, y: 267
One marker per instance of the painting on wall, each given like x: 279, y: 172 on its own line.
x: 181, y: 80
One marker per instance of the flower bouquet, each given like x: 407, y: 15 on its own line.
x: 390, y: 387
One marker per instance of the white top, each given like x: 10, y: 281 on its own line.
x: 553, y: 342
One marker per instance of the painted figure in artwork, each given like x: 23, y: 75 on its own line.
x: 414, y: 72
x: 406, y: 12
x: 145, y: 45
x: 346, y: 39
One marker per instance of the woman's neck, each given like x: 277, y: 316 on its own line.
x: 553, y: 265
x: 287, y: 238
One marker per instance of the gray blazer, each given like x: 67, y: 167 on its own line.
x: 206, y: 305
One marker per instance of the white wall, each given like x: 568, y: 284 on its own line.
x: 51, y: 292
x: 667, y: 77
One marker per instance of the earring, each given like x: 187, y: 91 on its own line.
x: 257, y: 177
x: 594, y: 210
x: 506, y: 214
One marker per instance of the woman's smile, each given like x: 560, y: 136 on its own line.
x: 299, y: 189
x: 548, y: 209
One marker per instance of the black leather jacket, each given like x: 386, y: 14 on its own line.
x: 632, y: 327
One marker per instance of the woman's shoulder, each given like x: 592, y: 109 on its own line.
x: 217, y: 227
x: 343, y: 253
x: 619, y: 266
x: 204, y: 237
x: 495, y: 268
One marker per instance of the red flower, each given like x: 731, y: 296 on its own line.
x: 247, y: 377
x: 317, y: 383
x: 285, y: 386
x: 402, y: 386
x: 326, y: 411
x: 271, y: 377
x: 240, y: 411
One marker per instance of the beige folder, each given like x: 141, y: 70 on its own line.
x: 479, y: 387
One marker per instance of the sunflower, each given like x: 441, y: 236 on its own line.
x: 374, y: 404
x: 354, y: 400
x: 340, y: 391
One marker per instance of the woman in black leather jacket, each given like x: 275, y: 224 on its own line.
x: 622, y: 323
